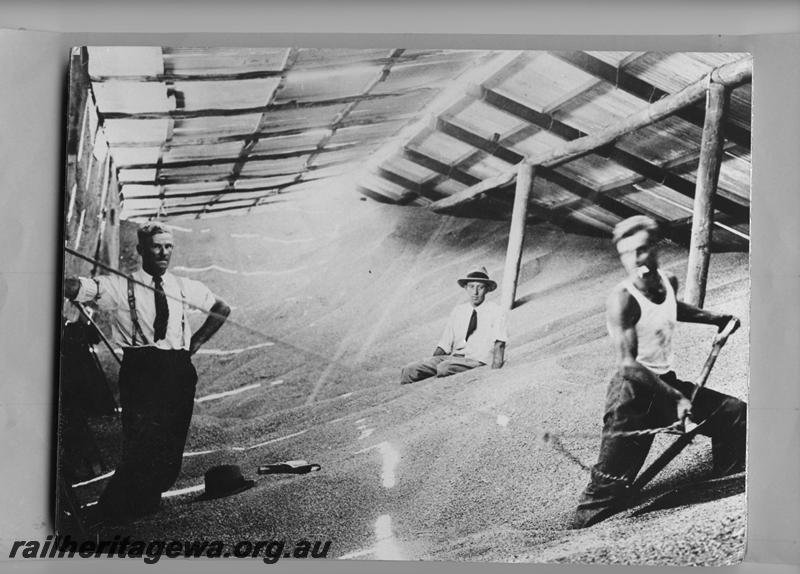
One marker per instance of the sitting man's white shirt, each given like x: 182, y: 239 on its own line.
x: 480, y: 346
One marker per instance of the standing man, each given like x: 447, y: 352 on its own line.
x: 641, y: 313
x: 475, y: 334
x: 157, y: 379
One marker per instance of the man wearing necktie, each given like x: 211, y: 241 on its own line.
x: 475, y: 334
x: 157, y: 379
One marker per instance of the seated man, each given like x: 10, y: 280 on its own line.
x: 475, y: 334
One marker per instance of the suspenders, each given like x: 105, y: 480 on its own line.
x: 136, y: 328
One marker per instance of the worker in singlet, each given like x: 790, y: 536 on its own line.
x: 644, y: 393
x: 655, y: 326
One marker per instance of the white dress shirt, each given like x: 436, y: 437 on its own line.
x: 480, y: 347
x: 110, y: 293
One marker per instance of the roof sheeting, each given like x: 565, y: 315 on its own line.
x: 228, y: 116
x: 265, y: 119
x: 538, y: 101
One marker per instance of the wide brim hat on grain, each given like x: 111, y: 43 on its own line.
x: 224, y: 480
x: 480, y: 275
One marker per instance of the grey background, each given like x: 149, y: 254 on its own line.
x: 33, y: 63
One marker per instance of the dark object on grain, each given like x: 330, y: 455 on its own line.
x: 288, y: 467
x: 224, y: 480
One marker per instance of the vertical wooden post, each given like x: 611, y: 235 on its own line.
x: 705, y: 190
x: 516, y: 234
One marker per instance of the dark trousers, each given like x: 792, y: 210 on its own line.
x: 436, y: 366
x: 157, y: 397
x: 630, y: 406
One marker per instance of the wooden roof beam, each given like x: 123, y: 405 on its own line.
x: 405, y: 199
x: 496, y: 204
x: 424, y: 189
x: 190, y: 178
x: 643, y: 90
x: 226, y: 112
x: 433, y: 164
x: 393, y: 56
x: 173, y: 77
x: 216, y: 192
x: 605, y: 200
x: 205, y: 178
x: 197, y: 213
x: 289, y: 57
x: 213, y: 138
x: 675, y: 182
x: 732, y: 74
x: 627, y: 160
x: 649, y: 170
x: 233, y: 160
x: 510, y: 156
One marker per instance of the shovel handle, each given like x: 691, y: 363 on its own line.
x: 726, y: 331
x: 719, y: 341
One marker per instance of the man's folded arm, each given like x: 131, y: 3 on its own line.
x: 99, y: 290
x: 71, y: 287
x: 216, y: 317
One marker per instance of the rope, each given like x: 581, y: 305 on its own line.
x: 558, y: 446
x: 228, y: 320
x: 554, y: 440
x: 105, y: 340
x: 674, y: 428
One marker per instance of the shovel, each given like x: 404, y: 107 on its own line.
x: 691, y: 429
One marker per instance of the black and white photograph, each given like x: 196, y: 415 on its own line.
x: 404, y: 304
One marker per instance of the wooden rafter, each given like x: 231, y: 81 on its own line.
x: 213, y: 138
x: 232, y: 160
x: 499, y: 65
x: 643, y: 90
x: 607, y: 198
x: 625, y: 159
x: 174, y: 77
x: 203, y: 205
x: 607, y: 201
x: 335, y: 125
x: 452, y: 171
x: 455, y: 172
x: 424, y: 189
x: 732, y: 74
x: 216, y: 192
x: 250, y: 143
x: 190, y: 178
x: 177, y: 212
x: 291, y: 105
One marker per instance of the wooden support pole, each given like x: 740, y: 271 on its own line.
x: 732, y: 74
x: 516, y: 234
x: 706, y: 189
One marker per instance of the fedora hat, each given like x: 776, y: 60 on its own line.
x: 480, y: 275
x: 224, y: 480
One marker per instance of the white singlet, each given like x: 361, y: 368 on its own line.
x: 655, y: 327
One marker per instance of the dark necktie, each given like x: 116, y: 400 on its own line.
x: 162, y: 310
x: 473, y: 324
